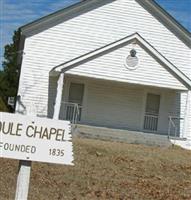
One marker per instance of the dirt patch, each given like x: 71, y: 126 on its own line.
x: 107, y: 170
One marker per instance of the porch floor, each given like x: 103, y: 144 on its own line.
x: 132, y: 137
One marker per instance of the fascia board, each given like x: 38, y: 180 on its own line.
x: 60, y: 16
x: 165, y: 18
x: 69, y: 12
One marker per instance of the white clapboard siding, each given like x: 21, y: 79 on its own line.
x: 112, y: 106
x: 103, y: 25
x: 111, y: 66
x: 87, y: 32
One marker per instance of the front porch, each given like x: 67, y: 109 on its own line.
x: 127, y: 85
x: 117, y: 105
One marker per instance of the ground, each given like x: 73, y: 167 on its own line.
x: 107, y: 170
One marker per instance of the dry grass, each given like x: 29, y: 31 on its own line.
x: 107, y: 170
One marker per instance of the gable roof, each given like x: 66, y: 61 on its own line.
x: 86, y: 5
x: 63, y: 67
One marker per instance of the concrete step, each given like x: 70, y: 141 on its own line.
x: 177, y: 138
x: 132, y: 137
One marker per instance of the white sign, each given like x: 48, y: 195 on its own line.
x: 36, y: 139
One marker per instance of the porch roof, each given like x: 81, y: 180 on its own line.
x: 173, y: 70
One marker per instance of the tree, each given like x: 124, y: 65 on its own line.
x: 9, y: 76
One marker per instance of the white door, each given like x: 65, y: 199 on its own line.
x: 76, y: 93
x: 151, y: 112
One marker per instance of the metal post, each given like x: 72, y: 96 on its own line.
x: 186, y: 115
x: 23, y: 180
x: 169, y: 127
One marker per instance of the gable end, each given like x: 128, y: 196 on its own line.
x: 63, y: 67
x: 84, y: 6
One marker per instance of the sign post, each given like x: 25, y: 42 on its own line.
x: 30, y: 138
x: 23, y: 180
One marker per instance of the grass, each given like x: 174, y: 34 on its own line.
x: 107, y: 170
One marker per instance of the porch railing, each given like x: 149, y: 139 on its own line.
x: 150, y: 122
x: 72, y: 112
x: 175, y: 126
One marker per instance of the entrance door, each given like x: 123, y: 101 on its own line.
x: 76, y: 93
x: 151, y: 112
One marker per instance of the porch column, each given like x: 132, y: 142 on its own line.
x: 187, y: 116
x: 58, y: 100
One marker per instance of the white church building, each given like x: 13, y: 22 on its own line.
x: 120, y: 64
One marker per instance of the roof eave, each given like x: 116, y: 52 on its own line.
x: 169, y: 21
x: 151, y: 6
x: 63, y: 14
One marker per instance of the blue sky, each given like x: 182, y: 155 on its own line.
x: 15, y: 13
